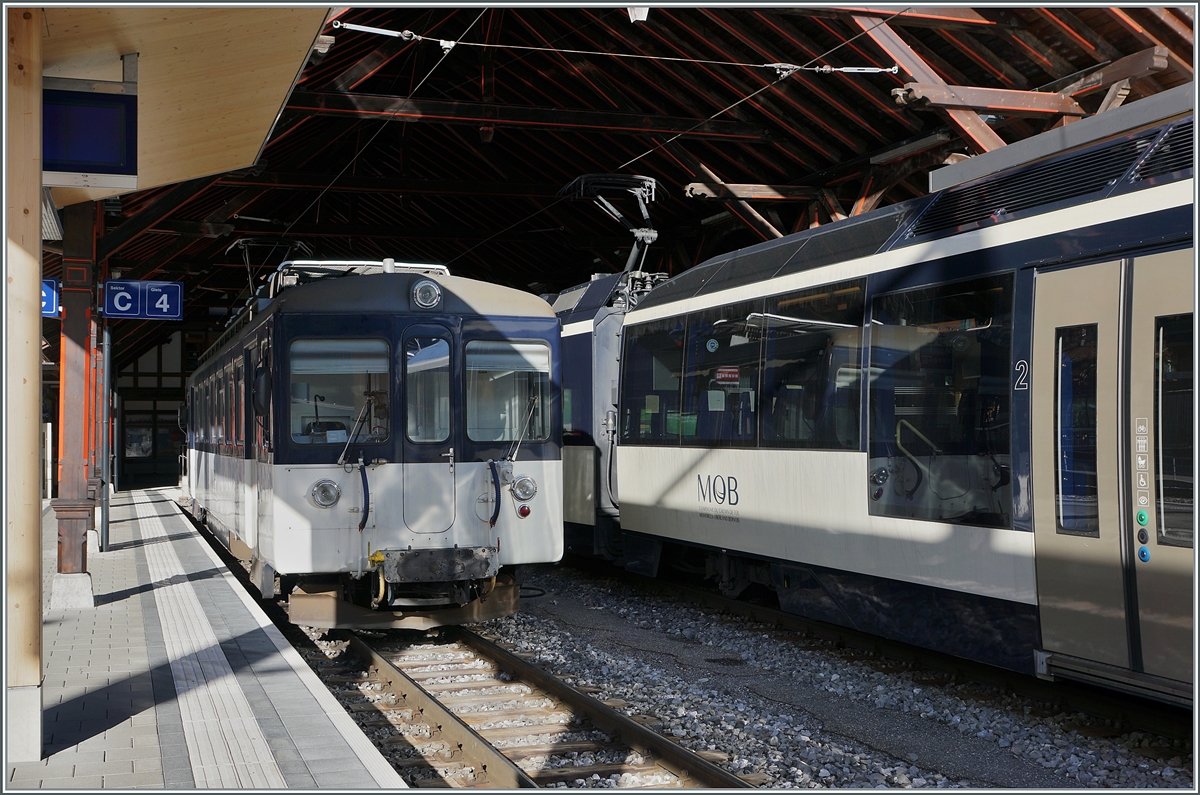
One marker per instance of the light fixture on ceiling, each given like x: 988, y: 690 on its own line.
x: 638, y: 14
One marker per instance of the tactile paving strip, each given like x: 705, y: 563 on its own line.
x: 225, y: 743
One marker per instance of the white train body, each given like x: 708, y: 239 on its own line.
x: 400, y: 458
x: 964, y: 421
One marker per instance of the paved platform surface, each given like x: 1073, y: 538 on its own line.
x: 176, y: 678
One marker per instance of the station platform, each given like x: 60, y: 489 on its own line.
x: 177, y: 679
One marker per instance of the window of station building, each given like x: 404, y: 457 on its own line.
x: 720, y: 376
x: 331, y: 381
x: 652, y: 363
x: 812, y: 350
x: 427, y: 389
x: 1175, y: 463
x: 1076, y: 485
x: 939, y: 403
x: 508, y: 391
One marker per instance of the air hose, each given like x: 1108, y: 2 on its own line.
x: 362, y: 470
x: 496, y: 483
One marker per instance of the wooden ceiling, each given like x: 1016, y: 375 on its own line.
x: 413, y: 149
x: 211, y: 81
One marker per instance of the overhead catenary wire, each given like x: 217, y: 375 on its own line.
x: 449, y: 44
x: 783, y: 71
x: 382, y: 127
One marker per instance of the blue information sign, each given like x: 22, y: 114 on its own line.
x: 49, y: 297
x: 143, y: 300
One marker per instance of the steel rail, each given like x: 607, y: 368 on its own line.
x: 667, y: 753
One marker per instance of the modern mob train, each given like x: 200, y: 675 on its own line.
x: 384, y: 437
x: 964, y: 421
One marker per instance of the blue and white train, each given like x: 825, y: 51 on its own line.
x: 965, y: 421
x: 386, y: 439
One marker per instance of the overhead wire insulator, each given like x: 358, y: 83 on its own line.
x: 407, y: 35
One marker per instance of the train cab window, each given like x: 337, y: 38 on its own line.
x: 331, y: 380
x: 653, y: 367
x: 812, y: 349
x: 1175, y: 464
x: 939, y: 403
x: 427, y: 388
x: 1076, y: 487
x: 508, y: 391
x: 720, y: 376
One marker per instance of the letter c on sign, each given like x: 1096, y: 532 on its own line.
x: 122, y: 301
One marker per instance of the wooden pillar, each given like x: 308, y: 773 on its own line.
x: 23, y: 387
x: 74, y: 507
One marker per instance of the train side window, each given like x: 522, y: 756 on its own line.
x: 720, y: 375
x: 502, y: 380
x: 230, y: 426
x: 1175, y: 464
x: 427, y: 389
x: 331, y: 380
x: 939, y: 403
x: 1076, y: 488
x: 812, y: 351
x: 652, y: 363
x: 239, y: 403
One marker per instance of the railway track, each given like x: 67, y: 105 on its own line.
x: 458, y: 710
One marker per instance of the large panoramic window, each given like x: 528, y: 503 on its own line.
x: 508, y: 391
x: 652, y: 364
x: 812, y: 345
x: 939, y: 403
x: 720, y: 378
x: 336, y: 386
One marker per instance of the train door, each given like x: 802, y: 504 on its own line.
x: 1112, y: 464
x: 429, y: 432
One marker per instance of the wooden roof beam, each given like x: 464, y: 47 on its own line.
x: 159, y: 209
x: 978, y: 135
x: 913, y: 16
x: 375, y: 106
x: 1090, y: 42
x: 745, y: 213
x: 1131, y: 67
x: 818, y: 87
x: 1173, y: 24
x: 395, y: 185
x: 1000, y: 101
x: 722, y: 191
x: 991, y: 63
x: 1145, y: 37
x: 772, y: 104
x: 812, y: 50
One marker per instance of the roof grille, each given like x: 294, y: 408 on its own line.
x: 1173, y: 153
x: 1045, y: 183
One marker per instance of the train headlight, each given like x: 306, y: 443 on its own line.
x: 426, y: 294
x: 524, y: 488
x: 326, y: 493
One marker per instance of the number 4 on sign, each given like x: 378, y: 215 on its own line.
x: 163, y: 304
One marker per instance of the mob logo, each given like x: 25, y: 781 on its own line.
x: 719, y: 489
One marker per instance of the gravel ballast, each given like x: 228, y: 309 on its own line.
x: 789, y: 711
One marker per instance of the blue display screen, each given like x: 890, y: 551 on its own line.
x: 87, y: 132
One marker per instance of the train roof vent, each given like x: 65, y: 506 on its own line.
x: 1175, y: 151
x: 1061, y: 179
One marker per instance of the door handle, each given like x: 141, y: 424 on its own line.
x: 450, y: 455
